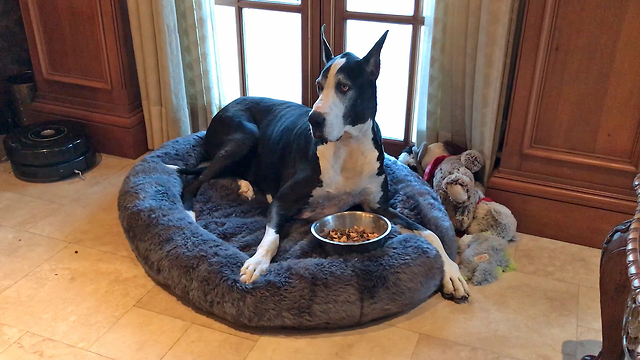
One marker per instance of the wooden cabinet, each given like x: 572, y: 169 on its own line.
x: 572, y: 145
x: 84, y: 67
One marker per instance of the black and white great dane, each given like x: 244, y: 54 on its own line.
x: 314, y: 162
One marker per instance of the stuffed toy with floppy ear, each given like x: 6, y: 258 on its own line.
x: 452, y: 179
x: 417, y: 158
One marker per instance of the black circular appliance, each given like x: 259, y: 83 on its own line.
x: 49, y: 151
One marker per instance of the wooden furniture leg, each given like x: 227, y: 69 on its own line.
x: 614, y: 291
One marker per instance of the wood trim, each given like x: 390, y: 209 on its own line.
x: 396, y: 19
x: 88, y: 105
x: 128, y: 142
x: 264, y: 5
x: 48, y: 74
x: 305, y: 23
x: 339, y: 36
x: 542, y: 59
x: 528, y: 144
x: 393, y: 147
x: 55, y: 110
x: 413, y: 69
x: 559, y: 192
x: 226, y: 2
x: 622, y: 193
x: 573, y: 157
x: 573, y: 223
x: 241, y: 55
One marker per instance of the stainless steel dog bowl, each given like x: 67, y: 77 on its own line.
x: 347, y: 220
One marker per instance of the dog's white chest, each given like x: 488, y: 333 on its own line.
x: 349, y: 174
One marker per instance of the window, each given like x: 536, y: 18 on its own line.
x: 272, y: 49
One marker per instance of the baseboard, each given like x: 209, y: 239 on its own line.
x: 571, y: 215
x: 129, y: 142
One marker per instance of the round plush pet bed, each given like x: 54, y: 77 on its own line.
x: 304, y: 287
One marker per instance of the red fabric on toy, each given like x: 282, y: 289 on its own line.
x: 485, y: 199
x: 430, y: 171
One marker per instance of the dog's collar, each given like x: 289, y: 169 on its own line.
x: 430, y: 171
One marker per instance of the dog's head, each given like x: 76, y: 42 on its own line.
x: 347, y: 90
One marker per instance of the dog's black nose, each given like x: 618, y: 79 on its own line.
x: 316, y: 119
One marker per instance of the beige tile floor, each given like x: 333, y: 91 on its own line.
x: 70, y: 288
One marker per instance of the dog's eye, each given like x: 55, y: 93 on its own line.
x: 319, y: 86
x: 344, y: 88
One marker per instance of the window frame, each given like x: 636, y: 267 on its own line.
x: 334, y: 14
x: 341, y: 15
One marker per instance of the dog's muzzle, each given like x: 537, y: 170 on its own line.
x: 317, y: 122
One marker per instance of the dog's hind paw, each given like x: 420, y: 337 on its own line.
x: 246, y: 189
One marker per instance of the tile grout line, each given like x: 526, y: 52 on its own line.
x: 86, y: 247
x: 119, y: 318
x: 253, y: 347
x: 204, y: 326
x: 457, y: 343
x: 36, y: 267
x: 16, y: 340
x: 178, y: 339
x: 98, y: 182
x: 415, y: 346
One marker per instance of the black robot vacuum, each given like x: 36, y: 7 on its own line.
x: 49, y: 151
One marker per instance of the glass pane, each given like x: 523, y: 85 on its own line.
x: 273, y: 54
x: 393, y: 7
x: 227, y: 43
x: 422, y: 78
x: 393, y: 82
x: 294, y: 2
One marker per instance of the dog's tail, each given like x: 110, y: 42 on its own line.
x: 194, y: 171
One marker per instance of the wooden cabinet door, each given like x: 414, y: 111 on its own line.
x: 84, y: 67
x: 574, y: 123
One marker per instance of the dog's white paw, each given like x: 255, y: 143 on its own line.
x: 454, y: 285
x: 253, y: 268
x: 246, y: 189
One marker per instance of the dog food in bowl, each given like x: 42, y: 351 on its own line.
x: 355, y: 234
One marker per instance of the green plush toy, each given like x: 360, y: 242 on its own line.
x: 483, y: 257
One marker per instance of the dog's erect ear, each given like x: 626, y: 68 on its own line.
x: 327, y: 55
x: 372, y: 59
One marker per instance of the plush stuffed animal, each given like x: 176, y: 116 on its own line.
x: 452, y: 178
x: 418, y: 158
x: 493, y: 218
x: 483, y: 257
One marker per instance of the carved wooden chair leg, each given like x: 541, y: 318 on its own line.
x: 614, y: 291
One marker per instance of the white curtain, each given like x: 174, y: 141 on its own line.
x: 468, y: 55
x: 178, y: 66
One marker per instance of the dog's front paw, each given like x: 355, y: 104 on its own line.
x: 253, y: 268
x: 246, y: 189
x: 454, y: 287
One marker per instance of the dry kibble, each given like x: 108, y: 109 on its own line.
x: 353, y: 235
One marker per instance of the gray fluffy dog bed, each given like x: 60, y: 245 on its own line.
x: 304, y: 286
